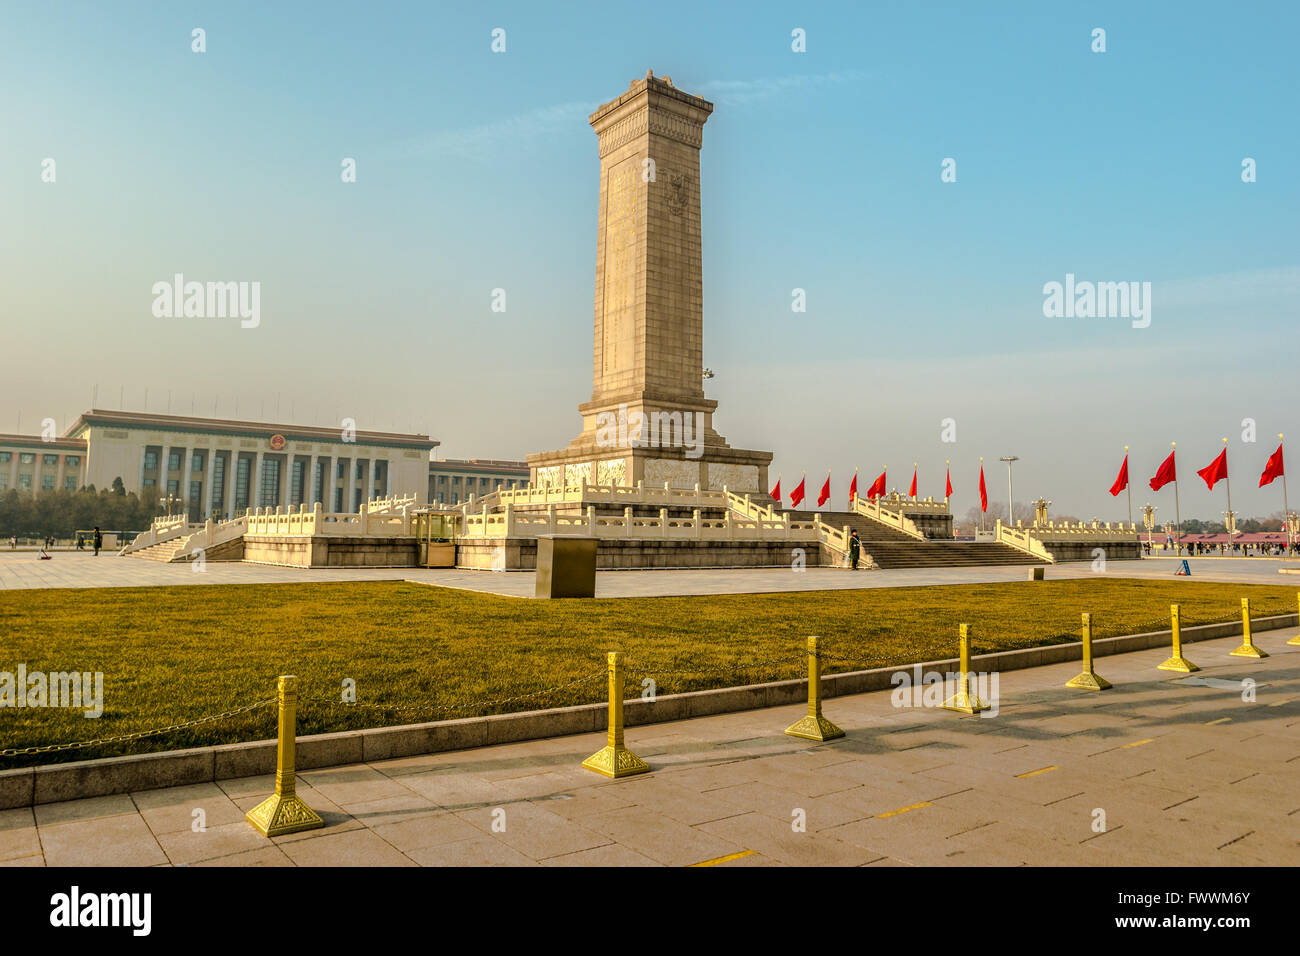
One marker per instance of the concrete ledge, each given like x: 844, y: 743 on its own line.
x: 52, y: 783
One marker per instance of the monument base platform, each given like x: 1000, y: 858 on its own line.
x: 520, y: 554
x: 740, y: 470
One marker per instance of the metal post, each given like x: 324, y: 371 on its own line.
x: 1176, y: 661
x: 1088, y: 679
x: 284, y: 811
x: 1248, y: 648
x: 963, y: 701
x: 615, y: 760
x: 814, y: 726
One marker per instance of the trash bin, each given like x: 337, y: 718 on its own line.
x: 566, y: 566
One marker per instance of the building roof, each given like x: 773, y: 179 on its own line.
x: 36, y: 441
x: 494, y: 465
x: 222, y: 426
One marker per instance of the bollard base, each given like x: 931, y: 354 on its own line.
x: 814, y: 728
x: 616, y: 762
x: 1178, y: 663
x: 1295, y: 641
x: 1248, y: 650
x: 278, y: 815
x: 1089, y: 680
x: 965, y: 703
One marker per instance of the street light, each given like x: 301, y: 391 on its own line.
x: 1010, y: 497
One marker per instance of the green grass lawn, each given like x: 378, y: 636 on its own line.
x: 171, y: 654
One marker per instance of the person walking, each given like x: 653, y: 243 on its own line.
x: 855, y: 549
x: 99, y: 540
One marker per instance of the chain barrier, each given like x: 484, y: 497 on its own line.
x: 450, y: 709
x: 136, y: 735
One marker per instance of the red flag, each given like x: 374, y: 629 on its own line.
x: 1215, y: 471
x: 947, y: 483
x: 853, y: 489
x: 984, y: 493
x: 776, y: 492
x: 1165, y: 474
x: 912, y: 491
x: 877, y: 489
x: 825, y: 495
x: 796, y: 496
x: 1273, y: 470
x: 1122, y: 481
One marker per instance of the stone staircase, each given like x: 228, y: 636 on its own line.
x: 164, y: 551
x: 891, y: 548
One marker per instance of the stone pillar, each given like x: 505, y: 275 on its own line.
x: 309, y: 493
x: 255, y: 492
x: 370, y: 466
x: 207, y: 484
x: 187, y: 469
x: 144, y: 452
x: 232, y: 473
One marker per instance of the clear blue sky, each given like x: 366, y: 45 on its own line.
x: 820, y: 171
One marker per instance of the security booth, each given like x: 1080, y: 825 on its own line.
x: 435, y: 529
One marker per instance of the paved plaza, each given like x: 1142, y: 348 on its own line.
x: 20, y: 570
x: 1156, y: 771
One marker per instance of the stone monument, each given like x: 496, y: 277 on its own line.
x: 648, y: 419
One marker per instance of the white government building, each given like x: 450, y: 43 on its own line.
x: 221, y: 467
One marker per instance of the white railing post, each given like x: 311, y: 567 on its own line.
x: 591, y: 520
x: 699, y: 525
x: 627, y: 522
x: 663, y: 519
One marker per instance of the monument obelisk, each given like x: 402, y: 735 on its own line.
x: 648, y: 419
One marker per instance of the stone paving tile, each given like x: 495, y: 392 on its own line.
x: 611, y: 854
x: 18, y: 835
x: 679, y: 803
x: 266, y: 856
x: 389, y: 810
x: 776, y: 839
x: 26, y: 861
x: 171, y: 810
x: 121, y: 840
x: 92, y: 808
x: 348, y: 786
x: 432, y: 829
x: 533, y: 831
x: 660, y: 837
x: 479, y: 851
x: 349, y: 848
x: 187, y: 846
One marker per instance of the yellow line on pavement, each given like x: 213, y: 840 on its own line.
x: 1221, y: 720
x: 894, y: 813
x: 723, y: 859
x: 1137, y: 743
x: 1035, y: 773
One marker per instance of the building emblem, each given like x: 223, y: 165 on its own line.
x: 277, y: 442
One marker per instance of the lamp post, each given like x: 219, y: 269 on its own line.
x: 1149, y: 520
x: 1010, y: 497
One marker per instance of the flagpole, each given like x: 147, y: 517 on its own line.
x: 1128, y: 485
x: 1227, y: 483
x: 1178, y: 519
x: 1286, y: 509
x: 914, y: 479
x: 947, y: 468
x: 981, y: 503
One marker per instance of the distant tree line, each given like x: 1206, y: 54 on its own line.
x: 60, y: 513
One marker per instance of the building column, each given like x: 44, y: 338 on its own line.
x: 38, y: 462
x: 255, y: 489
x: 14, y: 458
x: 309, y: 494
x: 187, y: 471
x: 388, y: 479
x: 139, y: 485
x: 370, y: 466
x: 207, y: 484
x: 232, y: 474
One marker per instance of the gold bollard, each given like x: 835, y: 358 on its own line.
x: 814, y: 726
x: 1177, y: 662
x: 1296, y: 640
x: 1248, y: 648
x: 963, y: 702
x: 615, y: 760
x: 284, y: 812
x: 1089, y: 679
